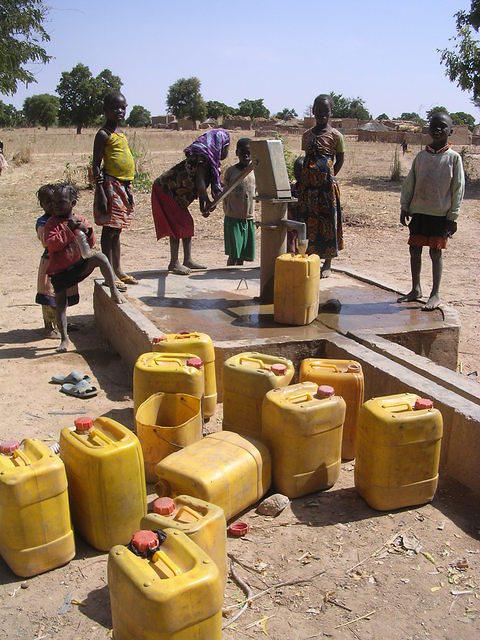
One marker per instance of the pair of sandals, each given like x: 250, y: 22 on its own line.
x: 121, y: 283
x: 75, y: 384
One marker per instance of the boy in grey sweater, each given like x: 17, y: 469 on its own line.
x: 431, y: 196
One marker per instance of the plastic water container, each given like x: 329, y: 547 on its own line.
x: 398, y: 451
x: 201, y: 345
x: 35, y: 530
x: 297, y: 288
x: 167, y: 422
x: 167, y: 372
x: 302, y: 427
x: 106, y: 480
x: 225, y: 468
x: 203, y: 522
x: 346, y: 377
x: 167, y: 592
x: 247, y: 377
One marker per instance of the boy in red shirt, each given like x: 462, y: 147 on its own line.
x: 66, y: 266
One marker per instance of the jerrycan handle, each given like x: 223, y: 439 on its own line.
x: 165, y: 358
x: 298, y: 398
x: 21, y: 458
x: 396, y: 406
x: 160, y: 557
x: 321, y: 365
x: 186, y: 335
x: 253, y: 360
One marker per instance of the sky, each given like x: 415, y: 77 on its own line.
x: 284, y: 52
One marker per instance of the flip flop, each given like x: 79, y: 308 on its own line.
x: 73, y: 377
x: 128, y: 279
x: 82, y: 389
x: 121, y: 286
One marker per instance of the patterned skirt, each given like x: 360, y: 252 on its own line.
x: 319, y: 206
x: 120, y: 204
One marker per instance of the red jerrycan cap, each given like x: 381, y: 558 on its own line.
x: 239, y: 529
x: 83, y: 424
x: 144, y: 540
x: 164, y: 506
x: 354, y: 367
x: 423, y: 403
x: 325, y: 391
x: 10, y: 446
x: 195, y: 362
x: 279, y: 369
x: 157, y: 340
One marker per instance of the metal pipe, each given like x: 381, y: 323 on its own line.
x: 299, y: 227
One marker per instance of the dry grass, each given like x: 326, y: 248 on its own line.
x: 23, y: 156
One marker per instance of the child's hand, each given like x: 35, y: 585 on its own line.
x: 451, y: 228
x: 75, y: 223
x: 404, y: 218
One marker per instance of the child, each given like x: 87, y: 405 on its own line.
x: 3, y: 162
x: 293, y: 206
x: 45, y: 294
x: 238, y: 206
x: 318, y: 194
x: 66, y: 266
x: 113, y: 203
x: 431, y: 196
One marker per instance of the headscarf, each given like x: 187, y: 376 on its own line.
x: 210, y: 145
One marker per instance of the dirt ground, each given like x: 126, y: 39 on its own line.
x: 365, y: 569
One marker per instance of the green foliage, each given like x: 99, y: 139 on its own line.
x: 396, y: 169
x: 289, y: 157
x: 81, y: 95
x: 41, y: 109
x: 253, y: 108
x: 216, y: 109
x: 142, y: 181
x: 437, y: 109
x: 349, y: 107
x: 411, y: 116
x: 9, y: 116
x: 286, y: 114
x: 184, y: 99
x: 383, y: 116
x: 21, y: 32
x: 462, y: 62
x: 460, y: 117
x: 139, y: 117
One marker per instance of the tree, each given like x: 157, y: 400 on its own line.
x: 286, y: 114
x: 9, y: 116
x: 437, y: 109
x: 411, y: 116
x: 308, y: 113
x: 462, y: 62
x: 41, y: 109
x: 383, y: 116
x: 253, y: 108
x: 460, y: 117
x: 139, y: 117
x: 349, y: 107
x: 184, y: 99
x: 21, y: 31
x: 81, y: 95
x: 217, y: 109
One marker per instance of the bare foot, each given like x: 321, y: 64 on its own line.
x: 63, y: 346
x: 190, y: 264
x: 432, y: 303
x: 117, y: 298
x: 178, y: 269
x: 325, y: 273
x: 411, y: 296
x: 52, y: 333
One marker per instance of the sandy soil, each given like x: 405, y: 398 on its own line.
x: 410, y: 595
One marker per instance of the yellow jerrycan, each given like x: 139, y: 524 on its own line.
x: 346, y: 377
x: 167, y: 372
x: 398, y: 451
x: 203, y: 522
x: 302, y: 427
x: 201, y: 345
x: 35, y: 530
x: 164, y: 587
x: 225, y: 468
x: 165, y: 423
x: 246, y: 379
x: 297, y: 289
x: 106, y: 480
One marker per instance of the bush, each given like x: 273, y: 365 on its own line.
x: 142, y: 181
x: 396, y: 173
x: 24, y: 156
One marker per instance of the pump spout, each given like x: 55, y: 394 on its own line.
x: 301, y: 229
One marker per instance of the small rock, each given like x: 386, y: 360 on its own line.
x: 24, y: 585
x: 273, y: 505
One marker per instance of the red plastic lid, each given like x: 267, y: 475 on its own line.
x: 195, y: 362
x: 157, y: 340
x: 239, y: 529
x: 164, y: 506
x: 83, y: 423
x: 423, y: 403
x: 325, y: 391
x: 144, y: 540
x: 10, y: 446
x: 354, y: 367
x: 279, y: 369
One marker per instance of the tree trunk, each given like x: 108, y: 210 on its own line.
x: 79, y: 129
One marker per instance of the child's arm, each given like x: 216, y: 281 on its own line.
x: 408, y: 189
x: 201, y: 183
x: 228, y: 173
x: 457, y: 188
x: 98, y: 151
x: 339, y: 155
